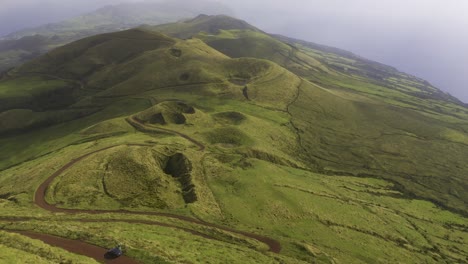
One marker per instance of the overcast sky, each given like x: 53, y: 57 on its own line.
x: 427, y: 38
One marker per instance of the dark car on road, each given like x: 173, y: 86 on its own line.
x: 114, y: 253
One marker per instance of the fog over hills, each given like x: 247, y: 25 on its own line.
x: 424, y: 38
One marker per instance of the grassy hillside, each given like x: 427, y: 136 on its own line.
x: 24, y: 45
x: 344, y: 125
x: 202, y: 23
x: 329, y: 66
x: 200, y: 151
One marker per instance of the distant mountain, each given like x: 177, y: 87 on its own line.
x: 23, y: 45
x: 123, y: 16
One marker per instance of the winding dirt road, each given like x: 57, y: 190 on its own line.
x: 145, y: 128
x: 97, y: 252
x: 78, y: 247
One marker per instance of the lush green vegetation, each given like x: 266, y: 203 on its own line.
x: 15, y: 248
x: 353, y: 105
x: 338, y: 165
x: 24, y: 45
x: 342, y: 219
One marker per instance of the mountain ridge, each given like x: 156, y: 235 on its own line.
x: 106, y: 19
x: 124, y: 14
x: 355, y: 56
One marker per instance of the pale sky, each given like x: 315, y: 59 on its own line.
x: 426, y: 38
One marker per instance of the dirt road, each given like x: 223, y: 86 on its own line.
x: 78, y: 247
x: 97, y: 252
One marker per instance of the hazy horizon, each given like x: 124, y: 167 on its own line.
x: 427, y: 39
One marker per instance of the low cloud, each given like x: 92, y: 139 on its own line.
x: 426, y: 38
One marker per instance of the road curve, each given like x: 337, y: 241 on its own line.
x: 144, y: 128
x: 78, y: 247
x: 39, y: 200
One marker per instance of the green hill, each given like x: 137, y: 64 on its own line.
x: 229, y: 146
x: 312, y: 61
x: 211, y: 25
x: 418, y: 113
x: 24, y: 45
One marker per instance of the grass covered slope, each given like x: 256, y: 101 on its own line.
x: 324, y: 65
x: 19, y: 47
x: 253, y: 185
x: 79, y: 59
x: 202, y: 23
x: 258, y: 160
x: 370, y: 138
x: 359, y: 116
x: 86, y: 76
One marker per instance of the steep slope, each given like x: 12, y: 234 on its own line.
x: 184, y: 154
x: 13, y: 52
x: 318, y: 63
x: 19, y: 47
x: 425, y: 153
x: 87, y: 76
x: 46, y: 90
